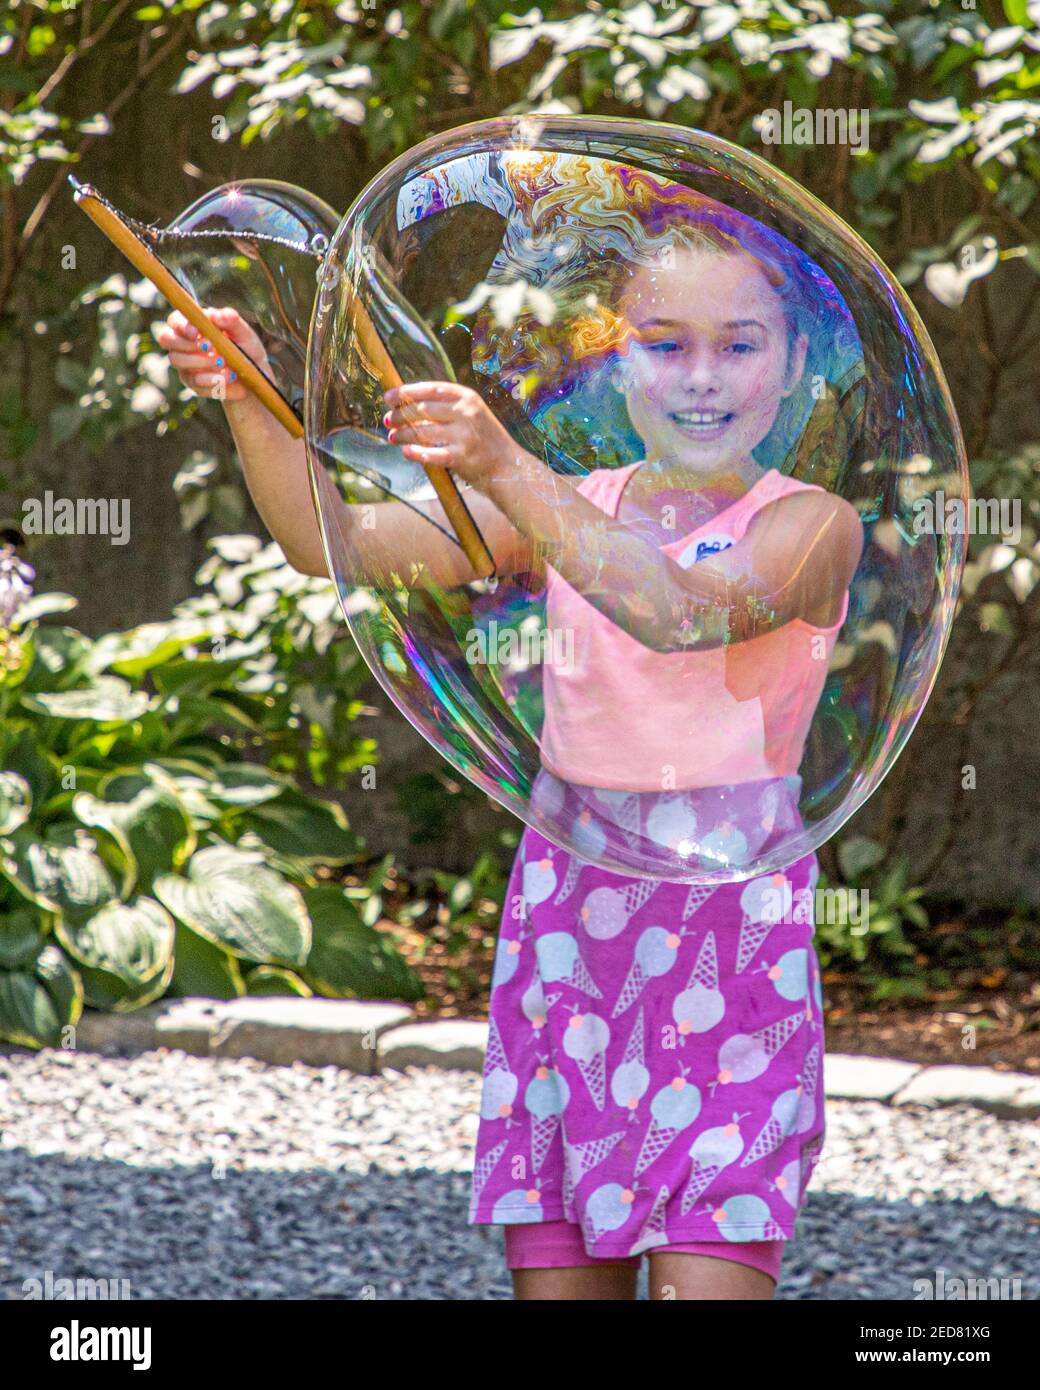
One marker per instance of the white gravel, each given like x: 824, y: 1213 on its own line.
x: 173, y: 1172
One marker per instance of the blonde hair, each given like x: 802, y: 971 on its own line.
x: 609, y: 222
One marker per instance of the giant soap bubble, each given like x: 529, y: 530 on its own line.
x: 695, y: 421
x: 256, y: 245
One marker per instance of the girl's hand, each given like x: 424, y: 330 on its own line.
x: 441, y: 422
x: 200, y: 366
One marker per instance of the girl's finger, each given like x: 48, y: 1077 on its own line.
x: 190, y: 361
x: 409, y: 415
x: 181, y: 326
x: 418, y: 453
x: 426, y: 432
x: 173, y: 342
x: 235, y: 326
x: 421, y: 391
x: 205, y: 383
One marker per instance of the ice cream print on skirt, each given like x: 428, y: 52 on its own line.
x: 654, y: 1066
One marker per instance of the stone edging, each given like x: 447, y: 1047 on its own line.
x: 384, y: 1036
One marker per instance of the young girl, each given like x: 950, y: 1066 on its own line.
x: 654, y: 1075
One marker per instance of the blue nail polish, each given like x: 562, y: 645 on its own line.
x: 205, y: 345
x: 220, y: 361
x: 234, y: 376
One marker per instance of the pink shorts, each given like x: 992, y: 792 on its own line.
x: 558, y: 1245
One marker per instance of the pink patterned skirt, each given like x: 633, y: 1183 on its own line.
x: 654, y: 1073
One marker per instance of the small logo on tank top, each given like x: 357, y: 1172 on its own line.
x: 705, y: 545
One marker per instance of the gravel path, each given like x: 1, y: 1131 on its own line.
x: 216, y: 1178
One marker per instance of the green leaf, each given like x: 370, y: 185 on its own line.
x: 102, y: 989
x: 222, y: 708
x: 144, y: 813
x: 234, y: 900
x: 200, y: 675
x: 857, y: 855
x: 20, y: 938
x: 36, y: 1003
x: 141, y: 649
x: 59, y: 656
x: 955, y: 56
x: 244, y: 784
x: 349, y: 960
x: 28, y: 759
x: 202, y: 970
x: 28, y: 1017
x: 63, y: 985
x: 299, y: 827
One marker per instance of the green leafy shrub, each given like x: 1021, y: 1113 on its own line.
x: 281, y: 652
x: 140, y: 855
x: 867, y: 921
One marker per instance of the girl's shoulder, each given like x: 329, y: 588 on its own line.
x: 603, y: 486
x: 781, y: 483
x: 774, y: 485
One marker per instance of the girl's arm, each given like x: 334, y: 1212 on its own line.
x: 384, y: 540
x: 385, y: 543
x: 796, y: 559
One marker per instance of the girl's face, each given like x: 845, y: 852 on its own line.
x: 709, y: 361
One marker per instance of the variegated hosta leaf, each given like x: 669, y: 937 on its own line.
x: 104, y: 990
x: 108, y: 698
x: 63, y: 986
x: 190, y: 780
x: 28, y: 1017
x: 143, y: 812
x: 15, y: 801
x: 67, y: 878
x: 204, y: 970
x: 39, y: 605
x: 140, y: 649
x: 243, y: 784
x: 58, y: 654
x: 132, y: 940
x: 233, y: 899
x: 272, y: 979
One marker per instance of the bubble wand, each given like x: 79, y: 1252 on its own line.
x: 144, y: 259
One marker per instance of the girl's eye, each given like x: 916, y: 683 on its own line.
x: 662, y: 345
x: 739, y: 349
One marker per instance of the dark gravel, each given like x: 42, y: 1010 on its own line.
x: 232, y: 1179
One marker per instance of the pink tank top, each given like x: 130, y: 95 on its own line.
x: 621, y: 716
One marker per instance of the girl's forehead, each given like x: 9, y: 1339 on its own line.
x: 708, y: 286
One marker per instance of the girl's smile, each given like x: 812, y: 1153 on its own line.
x: 703, y: 424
